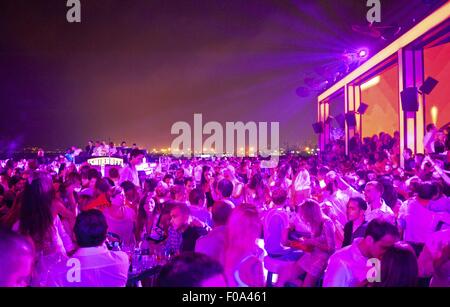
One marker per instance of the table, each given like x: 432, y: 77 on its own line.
x: 147, y: 277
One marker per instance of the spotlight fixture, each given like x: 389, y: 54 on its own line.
x: 363, y: 53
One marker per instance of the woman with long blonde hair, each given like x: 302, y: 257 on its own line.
x: 242, y: 263
x: 318, y: 248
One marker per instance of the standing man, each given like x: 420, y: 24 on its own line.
x: 429, y: 138
x: 129, y: 173
x: 89, y: 148
x: 377, y: 208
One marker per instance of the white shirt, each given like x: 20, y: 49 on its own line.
x: 112, y: 151
x: 384, y: 213
x: 436, y: 242
x: 202, y: 214
x: 302, y: 181
x: 347, y: 267
x: 440, y: 205
x: 99, y: 267
x: 59, y: 242
x: 122, y: 225
x: 53, y: 251
x: 419, y: 222
x: 129, y: 174
x: 428, y: 143
x: 97, y: 151
x: 212, y: 244
x: 276, y: 222
x: 339, y: 199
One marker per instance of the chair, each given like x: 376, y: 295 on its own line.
x: 274, y: 266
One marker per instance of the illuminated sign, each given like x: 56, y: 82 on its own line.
x: 102, y: 161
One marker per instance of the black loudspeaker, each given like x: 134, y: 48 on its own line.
x: 329, y: 120
x: 350, y: 118
x: 428, y: 85
x: 410, y: 101
x: 341, y: 120
x: 318, y: 127
x: 362, y: 108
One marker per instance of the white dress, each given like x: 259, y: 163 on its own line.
x: 51, y: 253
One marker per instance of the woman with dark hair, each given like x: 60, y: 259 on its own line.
x: 256, y: 191
x: 399, y: 267
x: 237, y: 196
x: 243, y: 172
x: 153, y: 223
x: 148, y: 215
x: 38, y: 219
x: 390, y: 195
x: 65, y: 201
x: 206, y: 185
x: 281, y: 179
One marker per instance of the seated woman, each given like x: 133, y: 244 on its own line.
x: 317, y: 249
x: 121, y: 218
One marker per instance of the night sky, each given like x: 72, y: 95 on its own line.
x: 132, y: 68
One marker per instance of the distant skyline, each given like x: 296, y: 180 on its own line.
x: 132, y: 68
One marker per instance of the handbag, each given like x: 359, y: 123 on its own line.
x: 157, y: 233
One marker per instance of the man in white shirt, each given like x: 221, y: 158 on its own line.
x: 212, y: 244
x: 428, y: 139
x: 198, y: 208
x: 416, y: 220
x: 129, y: 173
x: 350, y: 266
x: 302, y: 184
x: 377, y: 208
x: 339, y: 194
x: 92, y: 265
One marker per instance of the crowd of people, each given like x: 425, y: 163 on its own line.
x: 219, y: 221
